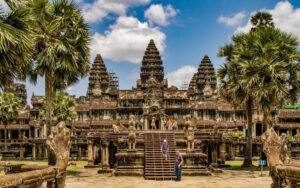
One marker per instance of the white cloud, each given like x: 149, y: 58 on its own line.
x: 181, y: 76
x: 96, y: 11
x: 285, y: 16
x: 3, y: 6
x: 126, y: 40
x: 160, y: 15
x: 233, y: 20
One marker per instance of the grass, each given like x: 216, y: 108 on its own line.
x: 72, y: 168
x: 237, y: 165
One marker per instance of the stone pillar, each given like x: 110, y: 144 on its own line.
x: 90, y: 153
x: 79, y: 153
x: 9, y: 134
x: 33, y: 152
x: 30, y: 133
x: 223, y: 152
x: 35, y: 132
x: 105, y: 155
x: 22, y: 150
x: 146, y: 122
x: 214, y: 153
x: 19, y: 134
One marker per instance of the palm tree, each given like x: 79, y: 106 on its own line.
x: 16, y: 44
x: 9, y: 107
x: 275, y: 70
x: 262, y: 19
x: 233, y: 89
x: 261, y: 70
x: 62, y: 51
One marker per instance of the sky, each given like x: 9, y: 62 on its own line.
x: 183, y: 30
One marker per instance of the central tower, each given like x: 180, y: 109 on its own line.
x: 152, y: 66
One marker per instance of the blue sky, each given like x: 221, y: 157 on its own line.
x: 184, y: 31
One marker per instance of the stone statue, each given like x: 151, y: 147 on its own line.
x: 132, y: 121
x: 188, y: 123
x: 153, y: 125
x: 131, y: 136
x: 59, y: 142
x: 118, y: 126
x: 297, y: 136
x: 283, y: 170
x: 190, y: 138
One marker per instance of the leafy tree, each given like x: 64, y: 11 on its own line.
x: 63, y: 107
x: 9, y: 107
x: 16, y: 44
x: 261, y: 70
x: 61, y: 46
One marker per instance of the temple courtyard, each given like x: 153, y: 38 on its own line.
x: 80, y: 177
x: 229, y: 178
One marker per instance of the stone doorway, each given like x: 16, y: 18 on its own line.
x: 112, y: 154
x: 157, y: 122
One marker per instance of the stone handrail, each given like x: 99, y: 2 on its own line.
x: 51, y: 176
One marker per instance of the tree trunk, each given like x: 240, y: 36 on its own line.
x: 5, y: 135
x: 48, y: 92
x: 248, y: 151
x: 48, y: 95
x: 265, y: 124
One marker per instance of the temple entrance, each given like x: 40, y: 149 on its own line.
x: 154, y: 119
x: 112, y: 154
x: 259, y: 129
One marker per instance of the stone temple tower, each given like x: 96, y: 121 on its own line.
x: 152, y: 66
x: 204, y: 82
x: 99, y: 80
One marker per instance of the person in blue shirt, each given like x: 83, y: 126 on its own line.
x: 165, y: 149
x: 178, y: 165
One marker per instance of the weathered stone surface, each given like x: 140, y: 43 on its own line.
x: 283, y: 170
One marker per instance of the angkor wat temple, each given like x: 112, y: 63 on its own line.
x: 122, y: 129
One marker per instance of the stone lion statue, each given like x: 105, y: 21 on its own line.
x: 283, y: 170
x: 190, y: 138
x: 59, y: 142
x: 131, y: 133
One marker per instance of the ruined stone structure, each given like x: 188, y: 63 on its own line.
x: 59, y: 142
x: 106, y: 136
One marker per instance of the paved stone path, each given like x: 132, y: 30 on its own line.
x: 88, y: 178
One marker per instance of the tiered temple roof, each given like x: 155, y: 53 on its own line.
x: 152, y: 64
x: 204, y: 77
x: 100, y: 79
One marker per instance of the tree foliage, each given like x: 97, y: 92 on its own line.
x: 16, y: 44
x: 63, y: 107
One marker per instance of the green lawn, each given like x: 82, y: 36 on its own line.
x: 237, y: 165
x: 72, y: 168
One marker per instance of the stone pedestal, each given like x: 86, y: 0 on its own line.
x: 130, y: 163
x: 195, y: 164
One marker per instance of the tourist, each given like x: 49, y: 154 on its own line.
x: 165, y: 149
x: 175, y: 125
x: 178, y: 165
x: 170, y: 123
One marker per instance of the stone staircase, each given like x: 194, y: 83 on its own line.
x: 156, y: 168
